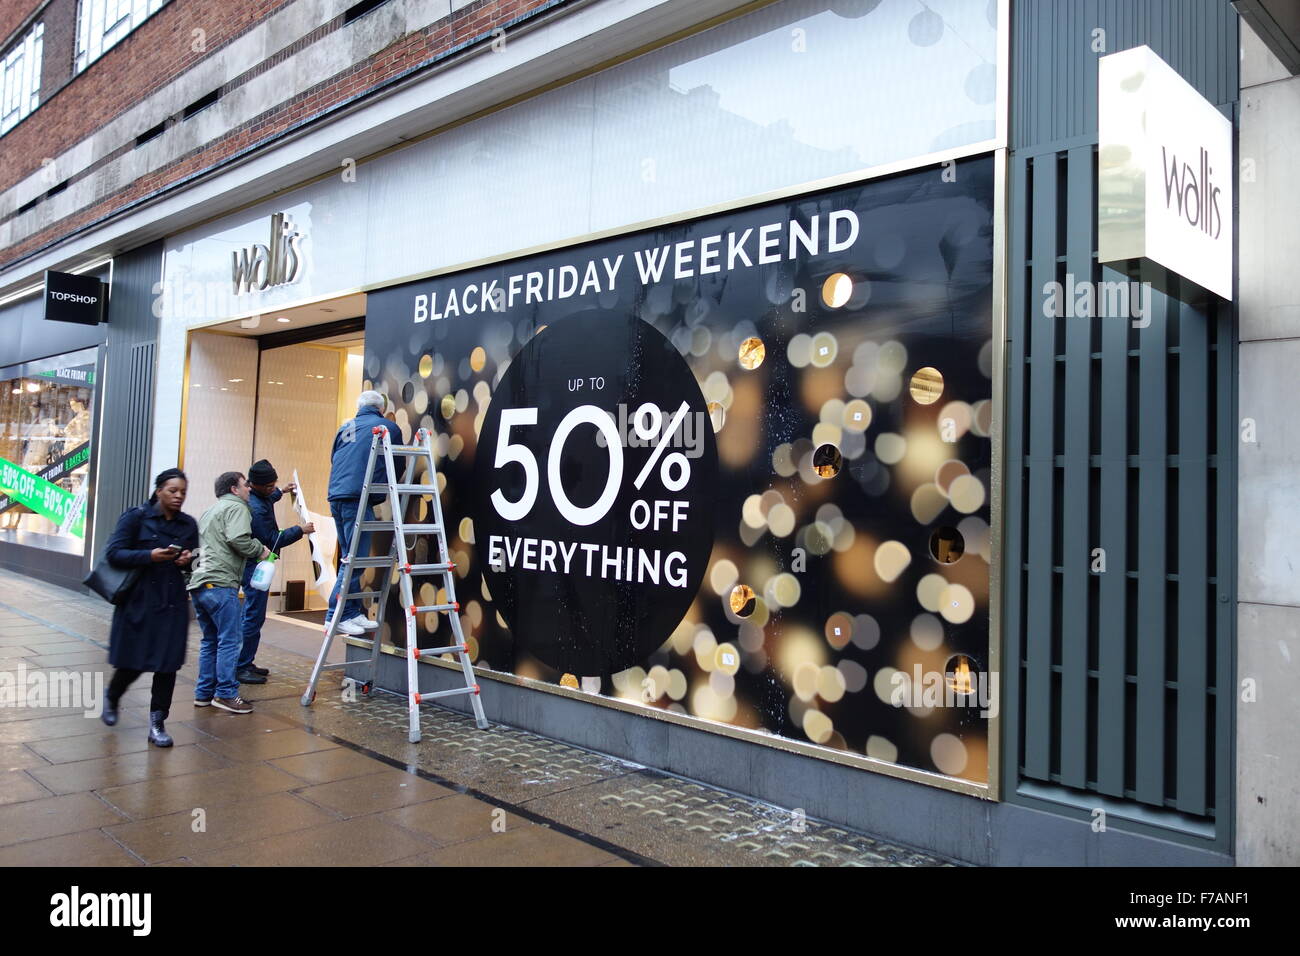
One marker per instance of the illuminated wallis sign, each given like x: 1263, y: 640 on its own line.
x: 1164, y: 178
x: 259, y: 267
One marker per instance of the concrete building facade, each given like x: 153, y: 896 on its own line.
x: 388, y: 154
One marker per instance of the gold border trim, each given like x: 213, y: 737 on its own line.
x: 997, y: 147
x: 988, y: 790
x: 997, y: 436
x: 996, y: 483
x: 185, y: 404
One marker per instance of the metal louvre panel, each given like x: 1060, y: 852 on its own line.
x: 1041, y: 623
x: 1109, y: 430
x: 1121, y: 439
x: 139, y: 419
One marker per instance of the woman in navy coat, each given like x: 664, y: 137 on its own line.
x: 150, y: 627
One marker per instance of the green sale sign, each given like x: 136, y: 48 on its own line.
x: 43, y: 497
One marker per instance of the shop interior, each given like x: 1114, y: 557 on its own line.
x: 277, y: 386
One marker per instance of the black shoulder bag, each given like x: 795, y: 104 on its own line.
x: 110, y: 582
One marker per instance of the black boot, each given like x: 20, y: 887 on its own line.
x: 158, y: 735
x: 109, y: 716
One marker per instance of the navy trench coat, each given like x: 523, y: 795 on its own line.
x: 150, y: 627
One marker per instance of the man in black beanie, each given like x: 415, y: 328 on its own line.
x: 261, y: 502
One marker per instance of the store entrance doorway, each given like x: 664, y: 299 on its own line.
x: 277, y: 387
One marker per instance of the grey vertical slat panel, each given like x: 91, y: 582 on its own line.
x: 1014, y: 469
x: 1074, y: 520
x: 1225, y: 565
x: 1054, y: 109
x: 1090, y: 66
x: 1153, y: 476
x: 1112, y: 621
x: 128, y: 406
x: 1193, y: 556
x: 140, y: 416
x: 1043, y: 99
x: 1041, y: 615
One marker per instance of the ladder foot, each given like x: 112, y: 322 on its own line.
x: 308, y: 698
x: 413, y: 737
x: 482, y: 724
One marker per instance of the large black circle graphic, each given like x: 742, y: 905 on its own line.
x: 595, y: 478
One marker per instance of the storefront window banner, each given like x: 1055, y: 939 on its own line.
x: 45, y: 449
x: 69, y: 462
x: 42, y: 497
x: 736, y: 468
x: 80, y: 375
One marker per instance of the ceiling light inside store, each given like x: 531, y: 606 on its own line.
x: 33, y: 386
x: 282, y: 319
x: 234, y: 381
x: 16, y: 390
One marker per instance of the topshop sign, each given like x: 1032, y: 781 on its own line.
x: 1164, y: 180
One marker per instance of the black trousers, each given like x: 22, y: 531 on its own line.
x: 160, y: 697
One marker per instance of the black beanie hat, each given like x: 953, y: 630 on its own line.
x: 261, y: 473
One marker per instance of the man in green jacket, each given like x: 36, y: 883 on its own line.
x: 225, y: 542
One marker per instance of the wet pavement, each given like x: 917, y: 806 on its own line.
x: 338, y: 783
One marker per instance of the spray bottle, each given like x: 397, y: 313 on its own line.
x: 264, y: 573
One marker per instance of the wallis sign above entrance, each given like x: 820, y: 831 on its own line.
x: 1164, y: 179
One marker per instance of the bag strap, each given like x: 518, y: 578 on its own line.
x: 137, y: 514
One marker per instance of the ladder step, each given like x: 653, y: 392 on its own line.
x: 381, y: 561
x: 424, y: 609
x: 450, y: 649
x: 430, y: 568
x: 407, y: 449
x: 376, y: 526
x: 420, y: 698
x: 362, y: 594
x: 382, y: 489
x: 421, y: 528
x: 330, y: 667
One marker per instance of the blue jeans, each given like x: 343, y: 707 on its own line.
x: 344, y: 512
x: 254, y: 618
x: 219, y: 617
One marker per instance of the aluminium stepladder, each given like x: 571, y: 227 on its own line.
x: 398, y: 494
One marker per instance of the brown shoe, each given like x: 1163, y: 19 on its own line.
x: 236, y: 705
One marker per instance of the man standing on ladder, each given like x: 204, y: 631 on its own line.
x: 347, y: 476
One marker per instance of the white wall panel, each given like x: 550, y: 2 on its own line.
x: 791, y: 93
x: 219, y: 416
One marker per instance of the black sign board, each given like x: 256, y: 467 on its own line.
x: 70, y: 298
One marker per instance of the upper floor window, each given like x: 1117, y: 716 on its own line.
x: 20, y: 86
x: 101, y: 23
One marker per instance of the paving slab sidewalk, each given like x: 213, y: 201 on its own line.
x: 339, y: 784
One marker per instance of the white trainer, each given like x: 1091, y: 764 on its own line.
x: 363, y: 622
x: 349, y: 628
